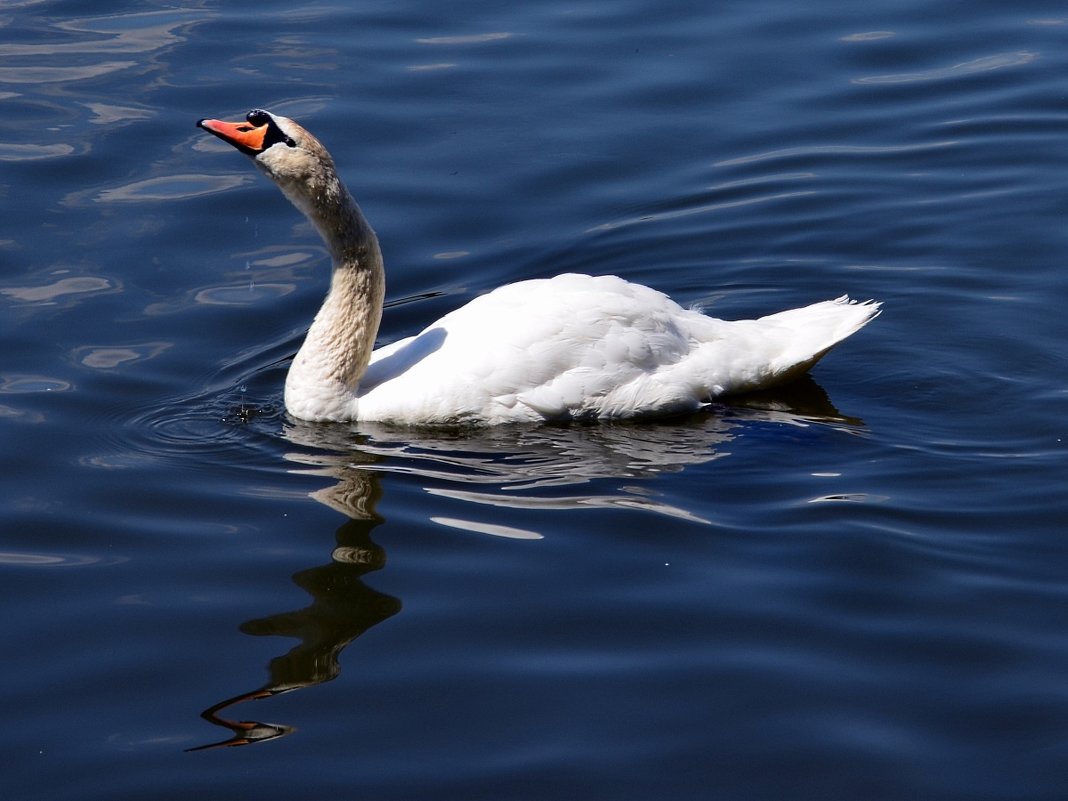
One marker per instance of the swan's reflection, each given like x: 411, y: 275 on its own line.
x: 529, y: 467
x: 509, y: 466
x: 342, y: 609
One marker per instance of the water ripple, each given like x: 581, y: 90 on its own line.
x: 208, y: 424
x: 25, y: 559
x: 30, y: 152
x: 979, y: 65
x: 75, y: 285
x: 690, y: 211
x: 809, y: 151
x: 231, y: 419
x: 475, y: 38
x: 570, y: 503
x: 172, y: 187
x: 107, y: 357
x: 20, y: 384
x: 45, y: 75
x: 493, y: 529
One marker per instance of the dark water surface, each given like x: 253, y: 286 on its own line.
x: 853, y: 589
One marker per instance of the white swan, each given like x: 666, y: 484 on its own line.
x: 570, y: 347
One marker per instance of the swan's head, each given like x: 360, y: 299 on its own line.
x: 282, y: 148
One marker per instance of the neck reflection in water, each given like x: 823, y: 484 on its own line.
x: 342, y: 609
x: 527, y: 467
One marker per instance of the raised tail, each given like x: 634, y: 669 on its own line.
x: 750, y: 355
x: 814, y: 330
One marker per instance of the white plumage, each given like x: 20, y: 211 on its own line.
x: 569, y: 347
x: 575, y: 346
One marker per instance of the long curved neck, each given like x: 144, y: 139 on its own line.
x: 322, y: 381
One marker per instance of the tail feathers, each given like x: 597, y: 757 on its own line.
x: 827, y: 322
x: 750, y: 355
x: 814, y: 330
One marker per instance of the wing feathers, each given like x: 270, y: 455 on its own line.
x: 576, y: 346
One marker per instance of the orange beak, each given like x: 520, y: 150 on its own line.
x: 244, y: 136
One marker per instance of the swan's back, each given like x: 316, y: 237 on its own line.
x: 575, y: 347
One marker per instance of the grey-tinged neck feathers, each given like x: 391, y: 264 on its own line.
x: 323, y: 380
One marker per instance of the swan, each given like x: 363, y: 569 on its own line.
x: 573, y: 347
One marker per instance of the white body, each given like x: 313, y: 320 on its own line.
x: 578, y: 347
x: 570, y: 347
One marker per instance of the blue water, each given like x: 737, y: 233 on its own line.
x: 856, y: 587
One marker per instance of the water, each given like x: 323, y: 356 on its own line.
x: 854, y: 588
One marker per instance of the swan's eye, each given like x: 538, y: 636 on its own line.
x: 258, y: 117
